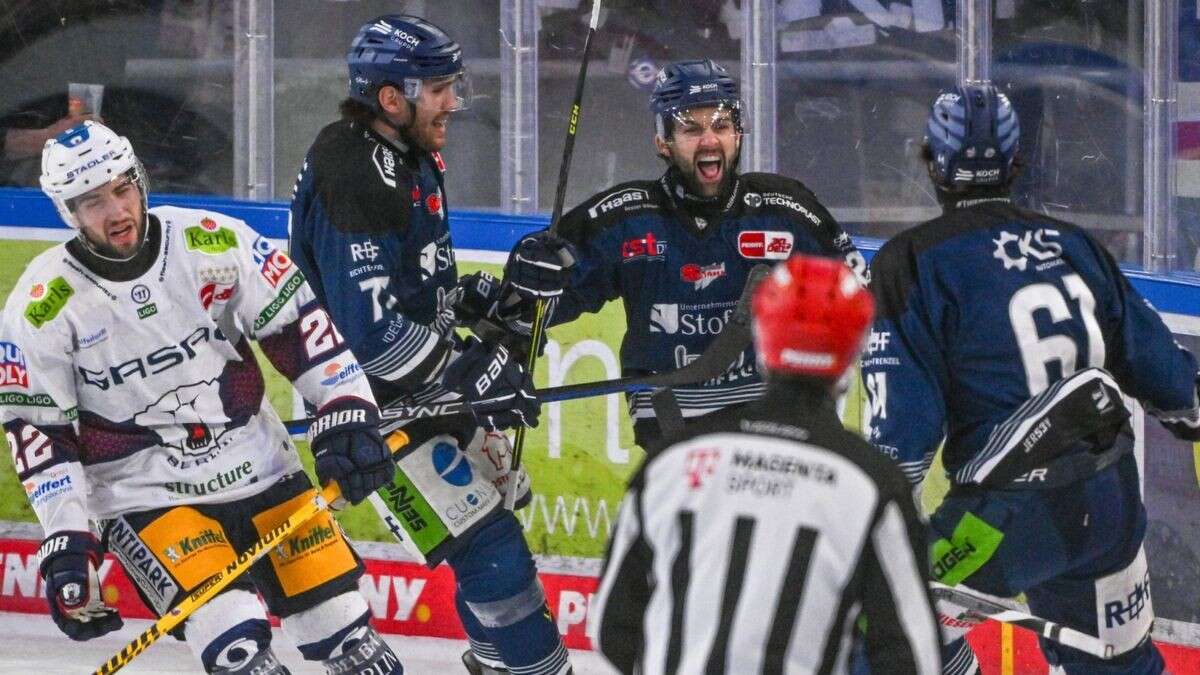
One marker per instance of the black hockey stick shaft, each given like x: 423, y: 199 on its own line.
x: 538, y: 330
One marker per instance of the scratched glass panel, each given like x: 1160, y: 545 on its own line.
x: 635, y: 39
x: 165, y: 68
x: 311, y: 39
x: 1074, y: 73
x: 855, y: 80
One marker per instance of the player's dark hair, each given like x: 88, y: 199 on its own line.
x: 356, y: 111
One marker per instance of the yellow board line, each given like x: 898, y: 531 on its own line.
x: 1006, y: 649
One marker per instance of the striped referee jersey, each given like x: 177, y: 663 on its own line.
x: 755, y: 543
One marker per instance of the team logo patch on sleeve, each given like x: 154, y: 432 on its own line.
x: 49, y: 302
x: 13, y: 372
x: 765, y: 244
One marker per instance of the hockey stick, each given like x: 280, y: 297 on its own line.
x: 216, y: 583
x: 538, y: 330
x: 995, y: 608
x: 712, y: 363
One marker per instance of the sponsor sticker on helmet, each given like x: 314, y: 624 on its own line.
x: 765, y: 244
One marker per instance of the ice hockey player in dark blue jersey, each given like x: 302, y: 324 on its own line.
x: 369, y: 230
x: 1013, y: 336
x: 678, y: 249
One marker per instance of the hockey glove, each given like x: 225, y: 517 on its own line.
x: 496, y: 312
x: 1183, y: 424
x: 69, y: 564
x: 347, y: 448
x: 540, y: 266
x: 499, y: 389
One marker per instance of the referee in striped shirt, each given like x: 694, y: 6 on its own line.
x: 755, y: 542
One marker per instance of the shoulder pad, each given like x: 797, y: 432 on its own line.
x: 772, y: 192
x: 363, y: 184
x: 609, y: 207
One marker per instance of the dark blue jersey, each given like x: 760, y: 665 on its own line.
x: 369, y: 231
x: 985, y: 307
x: 680, y: 270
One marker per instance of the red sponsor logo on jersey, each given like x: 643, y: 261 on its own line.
x: 213, y: 292
x: 12, y: 366
x: 433, y: 203
x: 699, y: 465
x: 37, y: 291
x: 701, y: 276
x: 759, y: 244
x: 648, y: 247
x: 438, y: 161
x: 209, y: 224
x: 276, y: 267
x: 416, y: 195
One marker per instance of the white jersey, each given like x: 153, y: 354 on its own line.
x: 132, y: 386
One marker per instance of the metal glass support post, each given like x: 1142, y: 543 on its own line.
x: 1162, y: 51
x: 254, y: 99
x: 518, y: 106
x: 758, y: 83
x: 974, y: 22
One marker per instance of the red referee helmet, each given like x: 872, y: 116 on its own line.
x: 810, y: 317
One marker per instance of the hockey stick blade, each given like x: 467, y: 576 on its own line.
x: 215, y: 584
x: 994, y: 608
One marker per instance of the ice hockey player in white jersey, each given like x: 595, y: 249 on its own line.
x: 136, y: 416
x: 754, y: 542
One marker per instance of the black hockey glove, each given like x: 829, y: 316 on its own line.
x: 496, y: 384
x: 69, y: 564
x: 540, y: 266
x: 496, y: 312
x: 347, y: 448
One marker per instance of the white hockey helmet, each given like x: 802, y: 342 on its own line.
x: 82, y: 159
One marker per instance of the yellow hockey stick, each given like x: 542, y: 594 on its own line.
x: 216, y: 583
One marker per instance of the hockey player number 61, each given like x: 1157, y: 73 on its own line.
x: 1037, y: 352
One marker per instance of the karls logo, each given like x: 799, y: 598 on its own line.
x: 699, y: 465
x: 13, y: 372
x: 57, y: 292
x: 618, y: 199
x: 157, y: 361
x: 1016, y: 250
x: 367, y: 250
x: 765, y: 245
x: 701, y: 276
x: 648, y: 247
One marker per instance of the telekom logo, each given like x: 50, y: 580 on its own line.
x: 701, y: 463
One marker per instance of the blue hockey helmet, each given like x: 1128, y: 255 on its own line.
x: 691, y: 84
x: 402, y: 51
x: 972, y: 137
